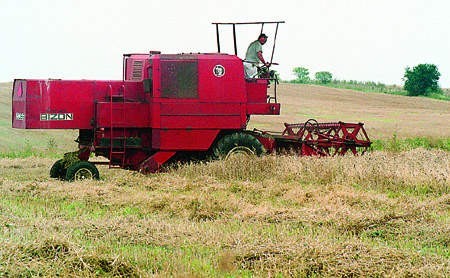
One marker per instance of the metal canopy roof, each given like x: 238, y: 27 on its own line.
x: 246, y: 23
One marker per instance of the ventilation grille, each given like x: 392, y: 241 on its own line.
x: 136, y: 73
x: 179, y: 78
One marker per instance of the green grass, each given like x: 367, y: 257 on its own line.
x: 393, y: 144
x: 374, y: 87
x: 27, y: 151
x: 439, y: 96
x: 25, y: 143
x: 404, y: 144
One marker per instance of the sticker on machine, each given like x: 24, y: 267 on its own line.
x: 219, y: 70
x: 20, y: 116
x: 56, y: 116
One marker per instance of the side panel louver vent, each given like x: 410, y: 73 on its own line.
x: 137, y: 70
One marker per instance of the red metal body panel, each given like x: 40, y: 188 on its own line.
x: 201, y: 116
x: 254, y: 89
x: 257, y: 102
x: 126, y: 114
x: 229, y: 88
x: 154, y: 162
x: 19, y: 104
x: 65, y: 104
x: 182, y: 140
x: 46, y: 106
x: 263, y: 109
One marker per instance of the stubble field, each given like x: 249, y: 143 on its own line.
x: 382, y: 214
x: 383, y: 115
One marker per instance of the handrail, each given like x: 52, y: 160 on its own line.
x: 110, y: 122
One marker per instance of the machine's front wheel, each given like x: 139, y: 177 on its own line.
x: 58, y: 171
x: 237, y: 144
x: 82, y: 170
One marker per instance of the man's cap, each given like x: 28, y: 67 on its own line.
x: 262, y: 35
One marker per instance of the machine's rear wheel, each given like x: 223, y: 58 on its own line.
x: 58, y: 171
x: 237, y: 144
x: 82, y: 170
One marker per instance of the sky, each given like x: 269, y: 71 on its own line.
x: 353, y: 39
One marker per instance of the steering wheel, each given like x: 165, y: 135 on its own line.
x: 265, y: 72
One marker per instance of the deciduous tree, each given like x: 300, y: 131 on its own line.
x: 302, y: 74
x: 422, y: 79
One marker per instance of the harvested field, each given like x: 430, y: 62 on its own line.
x: 383, y: 115
x: 382, y: 214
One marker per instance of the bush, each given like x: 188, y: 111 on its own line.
x: 324, y: 77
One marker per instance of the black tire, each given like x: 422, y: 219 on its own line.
x: 242, y: 143
x: 58, y: 171
x: 82, y: 170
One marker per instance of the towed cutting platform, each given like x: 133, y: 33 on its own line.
x: 318, y: 139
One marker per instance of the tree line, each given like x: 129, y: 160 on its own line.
x: 419, y: 80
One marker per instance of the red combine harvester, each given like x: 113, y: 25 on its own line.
x: 171, y: 106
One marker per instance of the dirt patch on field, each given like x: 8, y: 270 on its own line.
x: 383, y: 115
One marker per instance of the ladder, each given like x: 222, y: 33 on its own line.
x: 117, y: 151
